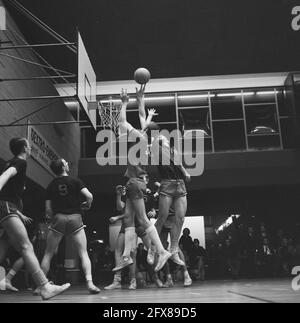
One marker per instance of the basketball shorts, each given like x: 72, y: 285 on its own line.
x: 173, y: 188
x: 67, y: 224
x: 136, y: 189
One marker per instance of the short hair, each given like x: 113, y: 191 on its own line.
x: 57, y: 166
x: 187, y: 230
x: 17, y: 145
x: 197, y: 241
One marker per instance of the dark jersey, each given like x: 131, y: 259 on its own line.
x: 171, y: 171
x: 14, y: 188
x: 64, y: 193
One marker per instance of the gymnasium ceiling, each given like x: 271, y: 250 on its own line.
x: 173, y: 38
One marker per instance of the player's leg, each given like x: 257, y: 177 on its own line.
x: 180, y: 206
x: 129, y: 238
x: 17, y: 234
x: 16, y: 267
x: 132, y: 272
x: 53, y: 240
x: 116, y: 284
x: 139, y: 208
x: 166, y: 269
x: 4, y: 245
x: 187, y: 278
x: 80, y: 242
x: 165, y: 203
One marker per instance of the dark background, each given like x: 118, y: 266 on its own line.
x: 172, y: 38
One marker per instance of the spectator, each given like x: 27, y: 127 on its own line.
x: 197, y: 263
x: 186, y: 243
x: 232, y: 259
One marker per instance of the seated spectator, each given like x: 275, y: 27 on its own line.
x: 232, y: 259
x: 141, y: 265
x: 107, y: 258
x: 197, y: 264
x: 186, y: 243
x: 265, y: 259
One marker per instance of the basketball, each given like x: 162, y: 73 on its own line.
x: 142, y: 76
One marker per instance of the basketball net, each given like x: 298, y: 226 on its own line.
x: 110, y: 114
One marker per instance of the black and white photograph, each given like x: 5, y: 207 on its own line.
x: 149, y: 154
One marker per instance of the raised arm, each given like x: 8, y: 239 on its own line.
x: 140, y: 97
x: 6, y: 176
x: 88, y: 197
x: 123, y: 124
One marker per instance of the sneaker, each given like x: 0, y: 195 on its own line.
x: 132, y: 285
x: 169, y: 283
x: 159, y: 283
x: 37, y: 291
x: 126, y: 261
x: 93, y: 289
x: 187, y: 280
x: 162, y: 259
x: 151, y: 257
x: 175, y: 258
x: 48, y: 291
x: 114, y: 285
x: 10, y: 287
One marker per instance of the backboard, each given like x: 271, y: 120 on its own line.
x: 86, y: 83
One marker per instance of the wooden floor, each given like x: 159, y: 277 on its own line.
x: 252, y: 291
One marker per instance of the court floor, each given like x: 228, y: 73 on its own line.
x: 251, y: 291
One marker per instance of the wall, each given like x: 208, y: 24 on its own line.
x: 64, y: 138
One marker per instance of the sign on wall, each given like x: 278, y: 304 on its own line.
x: 41, y: 150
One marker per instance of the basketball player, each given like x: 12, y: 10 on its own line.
x: 64, y: 208
x: 169, y: 228
x: 136, y: 187
x: 172, y: 192
x: 12, y: 184
x: 120, y: 245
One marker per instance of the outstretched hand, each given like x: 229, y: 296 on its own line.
x: 124, y: 96
x: 152, y: 113
x: 140, y: 93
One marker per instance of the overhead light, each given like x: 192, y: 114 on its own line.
x: 156, y: 98
x: 196, y: 96
x: 235, y: 94
x: 266, y: 92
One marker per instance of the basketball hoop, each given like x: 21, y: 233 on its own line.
x: 110, y: 114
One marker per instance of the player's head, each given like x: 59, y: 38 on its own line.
x: 59, y: 166
x: 19, y: 146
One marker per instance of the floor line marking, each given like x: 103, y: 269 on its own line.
x: 252, y: 297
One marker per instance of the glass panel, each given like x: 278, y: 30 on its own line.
x: 261, y: 119
x: 227, y: 105
x: 289, y: 129
x: 264, y: 142
x: 229, y: 136
x: 195, y: 119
